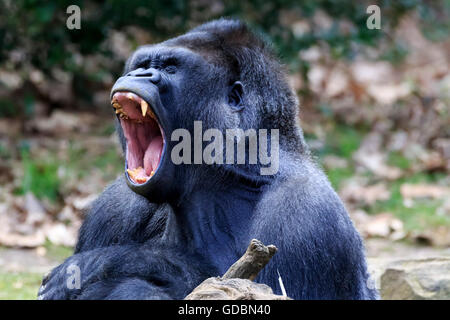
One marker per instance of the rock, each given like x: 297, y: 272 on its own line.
x: 233, y: 289
x: 421, y: 279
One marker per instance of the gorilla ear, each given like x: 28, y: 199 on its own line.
x: 235, y: 96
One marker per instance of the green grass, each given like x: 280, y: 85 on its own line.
x: 40, y: 177
x: 5, y: 153
x: 422, y: 214
x: 398, y: 160
x: 342, y: 141
x: 107, y: 160
x: 25, y: 285
x: 338, y: 175
x: 59, y: 253
x: 19, y: 285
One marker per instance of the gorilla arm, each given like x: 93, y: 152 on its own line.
x: 119, y: 254
x: 320, y: 254
x: 123, y: 272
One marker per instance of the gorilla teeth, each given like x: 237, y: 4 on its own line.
x: 119, y: 110
x: 138, y: 174
x: 141, y: 103
x: 144, y: 107
x: 151, y: 114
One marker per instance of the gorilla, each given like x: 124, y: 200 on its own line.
x: 164, y: 227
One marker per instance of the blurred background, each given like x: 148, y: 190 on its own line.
x: 374, y: 109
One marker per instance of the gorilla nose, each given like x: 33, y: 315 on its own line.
x: 151, y: 73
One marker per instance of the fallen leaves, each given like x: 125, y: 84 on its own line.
x: 370, y: 157
x: 376, y: 163
x: 383, y: 225
x: 61, y: 122
x: 355, y: 193
x: 26, y: 223
x: 411, y: 191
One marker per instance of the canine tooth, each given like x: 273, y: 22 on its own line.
x: 151, y: 114
x: 144, y: 107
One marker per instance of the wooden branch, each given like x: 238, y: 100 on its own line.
x: 252, y: 262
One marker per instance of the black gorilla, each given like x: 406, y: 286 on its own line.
x: 162, y: 229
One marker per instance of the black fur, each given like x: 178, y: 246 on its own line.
x: 167, y: 240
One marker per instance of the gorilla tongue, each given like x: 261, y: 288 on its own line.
x: 153, y: 155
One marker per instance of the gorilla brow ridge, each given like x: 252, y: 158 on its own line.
x: 225, y: 42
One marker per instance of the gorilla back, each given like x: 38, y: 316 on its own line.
x: 167, y: 225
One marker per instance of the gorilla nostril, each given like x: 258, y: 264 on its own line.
x: 151, y: 73
x: 155, y: 77
x: 135, y: 73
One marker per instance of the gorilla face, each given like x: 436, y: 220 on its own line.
x: 163, y: 88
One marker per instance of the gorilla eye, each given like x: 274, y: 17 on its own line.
x: 170, y: 69
x: 170, y: 65
x: 142, y: 63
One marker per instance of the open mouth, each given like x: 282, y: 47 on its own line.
x: 144, y: 136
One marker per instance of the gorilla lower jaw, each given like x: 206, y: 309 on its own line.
x: 144, y: 136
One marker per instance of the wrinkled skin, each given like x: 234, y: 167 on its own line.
x: 161, y: 239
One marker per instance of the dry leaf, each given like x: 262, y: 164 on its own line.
x: 337, y: 83
x: 368, y: 73
x: 60, y: 234
x: 385, y: 225
x: 334, y: 162
x: 375, y: 162
x: 367, y: 195
x: 36, y: 214
x: 410, y: 191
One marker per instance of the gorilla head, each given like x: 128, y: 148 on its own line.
x: 219, y: 73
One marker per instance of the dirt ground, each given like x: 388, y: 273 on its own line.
x: 31, y: 260
x: 21, y: 270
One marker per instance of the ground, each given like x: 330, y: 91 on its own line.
x: 21, y: 270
